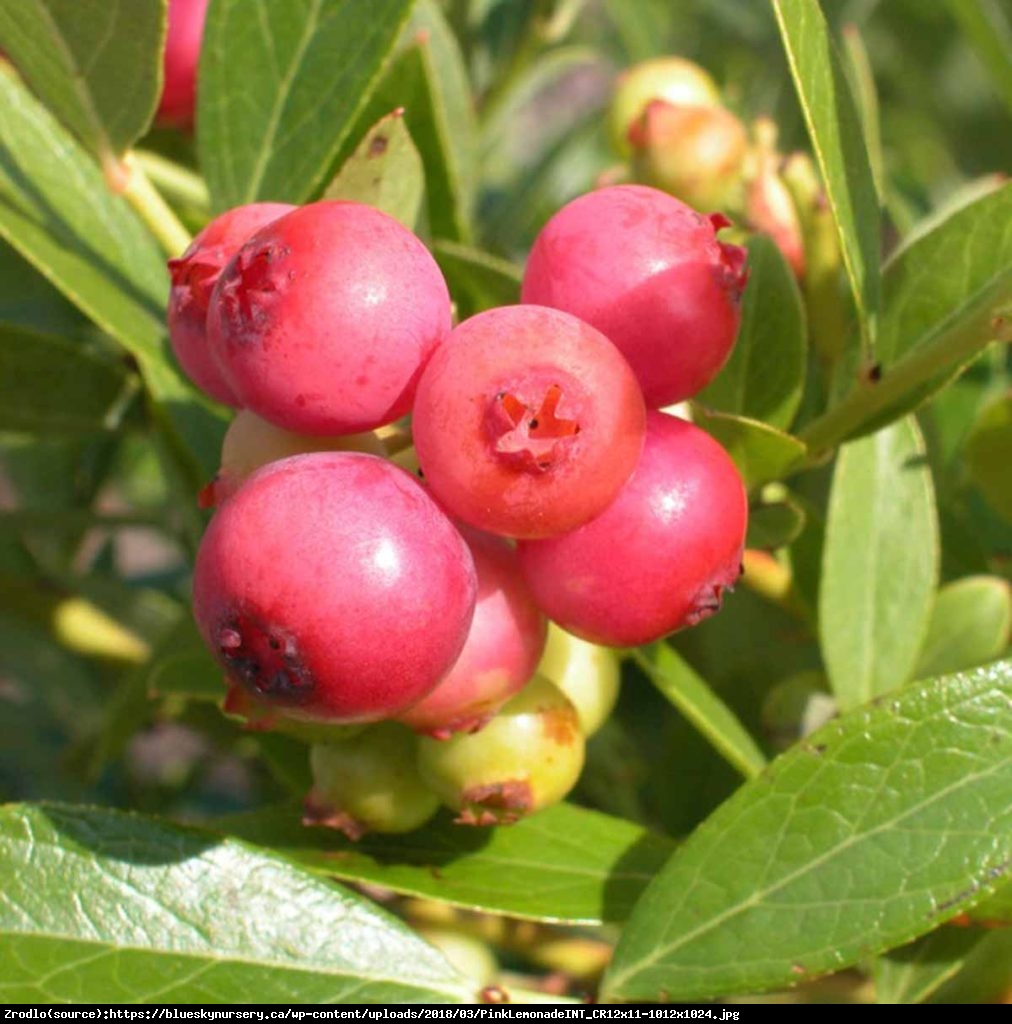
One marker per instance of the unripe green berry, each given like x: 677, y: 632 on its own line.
x: 672, y: 79
x: 369, y: 783
x: 589, y: 675
x: 528, y: 757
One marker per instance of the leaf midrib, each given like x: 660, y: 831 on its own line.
x: 758, y: 896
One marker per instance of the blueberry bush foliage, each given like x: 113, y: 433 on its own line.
x: 809, y: 794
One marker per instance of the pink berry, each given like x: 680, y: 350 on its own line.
x: 647, y: 271
x: 503, y: 646
x: 659, y: 557
x: 332, y: 587
x: 194, y: 275
x: 324, y: 319
x: 182, y: 54
x: 527, y: 422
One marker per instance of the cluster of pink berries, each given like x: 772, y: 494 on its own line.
x: 339, y: 591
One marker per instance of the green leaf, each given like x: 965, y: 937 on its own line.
x: 477, y: 280
x: 385, y: 171
x: 28, y: 300
x: 55, y: 385
x: 879, y: 563
x: 774, y: 525
x: 182, y: 666
x: 996, y: 909
x: 761, y: 452
x: 835, y: 130
x: 989, y: 454
x: 862, y: 79
x: 449, y: 145
x: 103, y: 906
x: 916, y: 971
x: 941, y: 294
x: 77, y: 55
x: 56, y: 211
x: 677, y: 681
x: 986, y: 977
x: 431, y: 98
x: 562, y: 864
x: 877, y: 828
x: 765, y: 375
x: 969, y: 626
x: 279, y: 92
x: 987, y: 29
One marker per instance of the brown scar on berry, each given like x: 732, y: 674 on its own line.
x: 560, y: 725
x: 317, y: 813
x: 378, y: 145
x: 265, y: 661
x: 499, y: 803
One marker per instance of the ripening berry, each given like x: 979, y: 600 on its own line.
x: 528, y: 757
x: 323, y: 321
x: 332, y: 587
x: 369, y: 783
x: 648, y: 272
x: 251, y: 442
x: 527, y: 422
x: 194, y: 275
x: 695, y: 153
x: 500, y: 654
x: 588, y: 674
x: 672, y: 79
x: 179, y: 64
x: 660, y: 556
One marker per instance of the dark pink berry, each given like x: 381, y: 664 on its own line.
x: 182, y: 54
x: 527, y: 422
x: 503, y: 646
x: 194, y: 275
x: 324, y: 319
x: 331, y: 586
x: 660, y: 556
x: 647, y: 271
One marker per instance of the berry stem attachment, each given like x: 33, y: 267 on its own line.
x: 174, y: 181
x: 157, y: 215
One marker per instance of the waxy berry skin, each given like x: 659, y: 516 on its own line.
x: 503, y: 646
x: 179, y: 64
x: 332, y: 587
x: 194, y: 275
x: 529, y: 756
x: 660, y: 556
x: 251, y: 442
x: 648, y: 272
x: 323, y: 321
x: 369, y: 783
x: 527, y: 422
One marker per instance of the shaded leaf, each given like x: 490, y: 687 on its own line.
x: 55, y: 385
x: 677, y: 681
x: 103, y: 906
x: 764, y: 377
x: 774, y: 525
x: 880, y: 826
x: 835, y: 130
x: 28, y: 300
x: 941, y: 294
x: 988, y: 30
x: 562, y: 864
x: 280, y: 92
x: 385, y: 171
x: 478, y: 280
x: 77, y: 54
x: 989, y: 454
x: 969, y: 626
x: 90, y: 245
x: 761, y: 452
x: 879, y: 563
x: 914, y: 972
